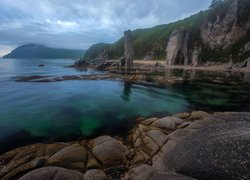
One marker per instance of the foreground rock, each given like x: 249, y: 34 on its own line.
x: 53, y: 173
x: 185, y: 146
x: 215, y: 152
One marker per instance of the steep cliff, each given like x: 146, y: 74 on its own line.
x: 228, y: 27
x: 177, y: 48
x: 220, y: 34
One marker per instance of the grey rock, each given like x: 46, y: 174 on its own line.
x: 81, y: 63
x: 128, y: 48
x: 109, y: 151
x: 95, y: 174
x: 177, y: 48
x: 52, y: 173
x: 216, y: 152
x: 226, y: 30
x: 167, y: 123
x: 74, y: 156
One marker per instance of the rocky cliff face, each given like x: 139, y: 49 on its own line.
x: 177, y: 48
x: 227, y: 29
x: 224, y: 35
x: 128, y: 47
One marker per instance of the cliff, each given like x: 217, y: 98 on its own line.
x: 219, y: 34
x: 41, y: 51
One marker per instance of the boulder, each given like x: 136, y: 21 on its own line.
x: 53, y: 173
x: 73, y: 156
x: 220, y: 151
x: 198, y: 115
x: 109, y: 151
x: 167, y: 123
x: 95, y: 174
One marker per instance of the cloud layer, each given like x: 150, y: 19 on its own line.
x: 80, y: 23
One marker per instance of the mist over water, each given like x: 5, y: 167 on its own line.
x: 46, y: 112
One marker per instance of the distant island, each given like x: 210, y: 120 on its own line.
x: 41, y: 51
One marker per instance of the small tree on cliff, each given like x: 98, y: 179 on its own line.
x: 215, y: 4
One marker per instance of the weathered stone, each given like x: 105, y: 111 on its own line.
x: 183, y: 125
x: 23, y: 168
x: 128, y: 48
x: 51, y: 149
x: 198, y: 115
x: 140, y: 172
x: 199, y: 124
x: 95, y: 174
x: 149, y: 121
x: 177, y: 48
x: 92, y: 162
x: 217, y: 152
x: 53, y: 173
x: 182, y: 115
x: 138, y: 158
x: 73, y: 156
x: 167, y: 123
x: 226, y: 30
x: 180, y: 134
x: 109, y: 151
x: 149, y: 146
x: 158, y: 137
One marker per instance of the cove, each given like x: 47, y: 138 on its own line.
x: 33, y: 112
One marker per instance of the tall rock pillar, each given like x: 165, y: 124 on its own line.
x: 128, y: 47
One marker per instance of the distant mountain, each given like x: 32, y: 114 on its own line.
x: 40, y: 51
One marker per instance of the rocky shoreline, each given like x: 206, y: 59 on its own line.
x: 184, y: 146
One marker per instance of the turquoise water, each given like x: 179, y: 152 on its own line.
x: 45, y: 112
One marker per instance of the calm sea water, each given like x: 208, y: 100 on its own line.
x: 33, y: 112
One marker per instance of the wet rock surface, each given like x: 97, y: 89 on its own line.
x: 154, y: 149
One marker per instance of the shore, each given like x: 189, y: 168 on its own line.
x: 171, y: 147
x: 189, y: 67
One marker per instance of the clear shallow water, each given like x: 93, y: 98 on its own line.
x: 45, y: 112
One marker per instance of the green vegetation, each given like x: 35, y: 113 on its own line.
x: 40, y: 51
x: 150, y: 39
x: 154, y: 40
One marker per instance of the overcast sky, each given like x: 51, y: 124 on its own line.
x: 81, y: 23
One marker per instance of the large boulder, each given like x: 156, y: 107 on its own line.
x: 95, y: 174
x: 219, y: 151
x: 73, y: 156
x: 109, y: 151
x: 53, y: 173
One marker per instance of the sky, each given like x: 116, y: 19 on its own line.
x: 77, y: 24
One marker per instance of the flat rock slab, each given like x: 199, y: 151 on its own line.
x: 216, y: 152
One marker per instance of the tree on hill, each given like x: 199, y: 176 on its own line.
x: 215, y: 4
